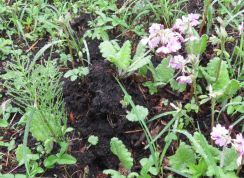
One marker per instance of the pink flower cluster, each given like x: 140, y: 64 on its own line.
x: 186, y: 22
x: 222, y: 138
x: 165, y: 40
x: 178, y: 62
x: 170, y: 40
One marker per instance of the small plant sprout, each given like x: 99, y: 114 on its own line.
x: 73, y: 74
x: 121, y: 56
x: 93, y: 140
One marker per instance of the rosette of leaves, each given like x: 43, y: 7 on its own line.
x: 121, y: 56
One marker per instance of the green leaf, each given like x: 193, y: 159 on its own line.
x: 148, y: 166
x: 123, y: 57
x: 198, y: 170
x: 48, y: 145
x: 152, y: 86
x: 206, y: 151
x: 177, y: 86
x: 223, y: 79
x: 229, y: 90
x: 93, y: 140
x: 44, y: 126
x: 137, y: 113
x: 119, y: 149
x: 3, y: 123
x: 120, y: 57
x: 75, y: 73
x: 113, y: 173
x: 183, y: 157
x: 63, y: 148
x: 139, y: 59
x: 50, y: 161
x: 230, y: 157
x: 66, y: 159
x: 198, y: 46
x: 140, y: 51
x: 163, y: 72
x: 107, y: 49
x: 20, y: 155
x: 230, y: 175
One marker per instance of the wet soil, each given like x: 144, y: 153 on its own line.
x: 94, y: 104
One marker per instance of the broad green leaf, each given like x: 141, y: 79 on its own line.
x: 198, y: 46
x: 66, y: 159
x: 177, y: 86
x: 138, y: 113
x: 163, y: 72
x: 107, y: 49
x: 148, y: 166
x: 119, y: 149
x: 208, y: 152
x: 230, y: 157
x: 44, y: 126
x: 20, y: 155
x: 123, y: 57
x: 229, y: 90
x: 139, y: 59
x: 223, y: 79
x: 140, y: 51
x: 63, y: 148
x: 48, y: 145
x: 50, y: 161
x: 152, y: 86
x: 113, y: 173
x: 3, y: 123
x: 183, y: 157
x: 137, y: 64
x: 120, y: 57
x: 230, y: 175
x: 198, y: 170
x: 75, y: 73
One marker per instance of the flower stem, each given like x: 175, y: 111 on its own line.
x: 213, y: 103
x: 220, y: 61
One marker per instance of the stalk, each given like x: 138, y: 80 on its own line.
x: 220, y: 61
x: 213, y: 103
x: 205, y: 13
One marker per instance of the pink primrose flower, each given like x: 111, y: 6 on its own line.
x: 164, y: 40
x: 239, y: 146
x: 184, y: 79
x: 220, y: 135
x: 155, y: 28
x: 177, y: 62
x: 241, y: 28
x: 191, y: 20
